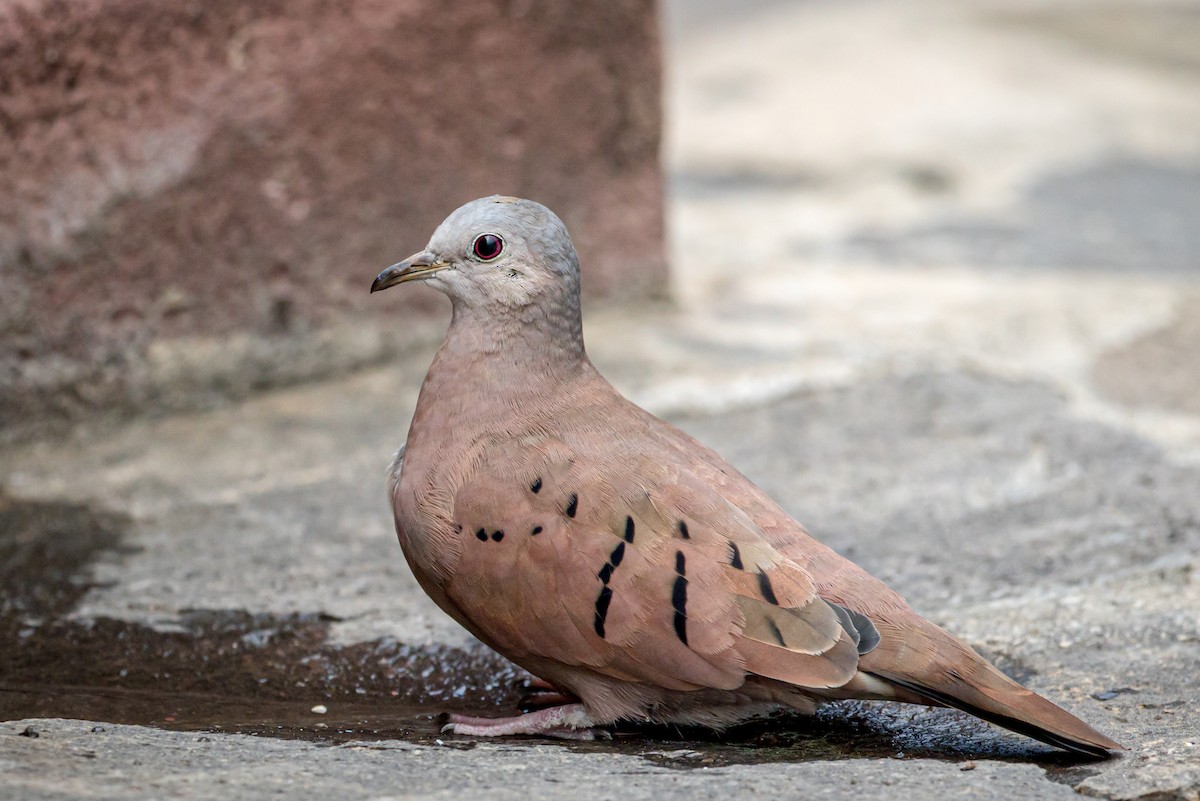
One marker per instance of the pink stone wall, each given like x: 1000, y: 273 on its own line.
x: 225, y: 177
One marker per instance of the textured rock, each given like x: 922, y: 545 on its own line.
x: 196, y: 196
x: 70, y: 760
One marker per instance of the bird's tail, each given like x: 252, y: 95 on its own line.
x: 938, y: 668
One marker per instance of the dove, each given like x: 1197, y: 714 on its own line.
x: 615, y: 557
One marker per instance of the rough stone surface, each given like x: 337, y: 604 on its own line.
x: 195, y: 195
x: 1000, y: 424
x: 69, y: 758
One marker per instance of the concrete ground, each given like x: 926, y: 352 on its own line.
x: 937, y: 274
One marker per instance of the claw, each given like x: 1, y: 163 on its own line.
x: 568, y: 722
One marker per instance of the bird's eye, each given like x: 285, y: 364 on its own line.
x: 487, y: 247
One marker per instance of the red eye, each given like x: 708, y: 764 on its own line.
x: 487, y: 246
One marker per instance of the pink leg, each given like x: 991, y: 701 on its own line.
x: 541, y: 693
x: 570, y: 722
x: 541, y: 699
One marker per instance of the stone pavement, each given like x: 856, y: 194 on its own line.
x: 936, y: 279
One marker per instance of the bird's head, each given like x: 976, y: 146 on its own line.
x: 495, y: 253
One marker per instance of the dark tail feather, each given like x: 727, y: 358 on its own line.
x: 924, y: 660
x: 994, y: 697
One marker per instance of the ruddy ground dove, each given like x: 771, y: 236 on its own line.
x: 614, y: 556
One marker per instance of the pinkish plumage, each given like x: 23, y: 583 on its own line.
x: 614, y: 556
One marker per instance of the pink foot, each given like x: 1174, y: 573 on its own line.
x: 570, y: 722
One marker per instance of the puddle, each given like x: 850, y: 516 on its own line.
x: 378, y: 719
x: 241, y: 655
x: 844, y: 731
x: 230, y: 671
x: 46, y: 550
x: 218, y: 670
x: 45, y: 554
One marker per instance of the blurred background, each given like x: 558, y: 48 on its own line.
x: 927, y: 272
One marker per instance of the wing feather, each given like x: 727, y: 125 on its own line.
x: 660, y: 580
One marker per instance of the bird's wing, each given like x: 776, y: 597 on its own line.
x: 915, y: 660
x: 638, y: 570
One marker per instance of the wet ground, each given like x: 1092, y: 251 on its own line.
x: 946, y: 315
x: 230, y: 671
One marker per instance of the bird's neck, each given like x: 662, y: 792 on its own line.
x: 496, y: 359
x: 534, y: 339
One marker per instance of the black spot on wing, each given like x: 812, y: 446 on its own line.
x: 679, y: 604
x: 681, y: 625
x: 776, y: 633
x: 572, y: 505
x: 536, y: 486
x: 679, y: 597
x: 617, y: 554
x: 683, y: 530
x: 536, y: 530
x: 629, y: 529
x: 481, y: 535
x: 614, y: 559
x: 735, y: 556
x: 602, y: 602
x: 765, y: 588
x: 605, y: 576
x: 497, y: 535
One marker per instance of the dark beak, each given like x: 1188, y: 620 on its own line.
x: 414, y: 268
